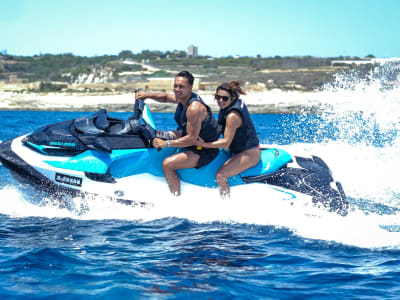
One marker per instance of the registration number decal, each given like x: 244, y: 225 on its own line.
x: 67, y: 179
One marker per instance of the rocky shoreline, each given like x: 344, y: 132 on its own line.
x: 266, y: 102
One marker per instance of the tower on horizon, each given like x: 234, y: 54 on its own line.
x: 192, y: 51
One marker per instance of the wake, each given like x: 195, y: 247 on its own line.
x: 359, y: 228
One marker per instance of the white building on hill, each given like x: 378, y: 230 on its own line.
x: 193, y: 51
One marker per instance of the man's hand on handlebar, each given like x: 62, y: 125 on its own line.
x: 159, y: 143
x: 140, y: 95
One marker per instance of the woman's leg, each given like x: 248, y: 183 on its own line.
x: 235, y: 165
x: 182, y: 160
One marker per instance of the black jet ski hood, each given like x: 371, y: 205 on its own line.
x: 96, y: 132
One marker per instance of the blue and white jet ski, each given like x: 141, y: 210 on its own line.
x: 98, y: 154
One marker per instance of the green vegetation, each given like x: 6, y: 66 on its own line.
x: 51, y: 67
x: 127, y: 66
x: 49, y: 87
x: 162, y: 73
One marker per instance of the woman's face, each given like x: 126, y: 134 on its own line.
x: 223, y: 99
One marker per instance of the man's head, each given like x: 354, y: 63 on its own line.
x: 183, y: 86
x: 187, y: 75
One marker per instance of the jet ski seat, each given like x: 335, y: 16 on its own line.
x: 125, y: 127
x: 94, y: 124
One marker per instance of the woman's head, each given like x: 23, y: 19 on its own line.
x: 227, y: 93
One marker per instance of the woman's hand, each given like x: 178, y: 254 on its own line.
x: 200, y: 142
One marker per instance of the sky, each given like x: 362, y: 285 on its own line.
x: 321, y: 28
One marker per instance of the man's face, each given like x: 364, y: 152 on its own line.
x: 182, y: 89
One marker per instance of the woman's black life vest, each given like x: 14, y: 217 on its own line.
x: 246, y: 135
x: 209, y: 127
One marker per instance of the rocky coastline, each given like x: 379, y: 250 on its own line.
x: 274, y: 102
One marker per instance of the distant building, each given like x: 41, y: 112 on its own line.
x: 14, y: 79
x: 193, y: 51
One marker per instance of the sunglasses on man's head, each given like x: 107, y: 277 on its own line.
x: 223, y: 98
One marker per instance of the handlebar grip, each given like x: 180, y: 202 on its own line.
x: 138, y: 108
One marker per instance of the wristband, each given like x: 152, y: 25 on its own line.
x: 168, y: 143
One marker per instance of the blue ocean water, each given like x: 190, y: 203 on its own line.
x: 258, y: 249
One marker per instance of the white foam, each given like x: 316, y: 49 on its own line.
x: 247, y: 205
x: 365, y: 171
x: 17, y: 205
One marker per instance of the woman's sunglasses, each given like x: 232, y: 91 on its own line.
x: 223, y: 98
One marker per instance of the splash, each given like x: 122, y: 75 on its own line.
x: 359, y: 134
x: 367, y: 126
x: 18, y: 204
x: 247, y: 205
x: 366, y: 107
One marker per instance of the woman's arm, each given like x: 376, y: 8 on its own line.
x: 233, y: 122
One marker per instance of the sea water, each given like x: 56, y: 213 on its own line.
x: 198, y: 245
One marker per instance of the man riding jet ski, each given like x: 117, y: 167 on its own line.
x: 99, y: 153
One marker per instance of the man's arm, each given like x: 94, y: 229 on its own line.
x: 195, y: 115
x: 159, y: 97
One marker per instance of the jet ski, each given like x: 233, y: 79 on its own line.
x: 100, y: 154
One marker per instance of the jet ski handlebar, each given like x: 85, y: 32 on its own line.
x: 138, y: 109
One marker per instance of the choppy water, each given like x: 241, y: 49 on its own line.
x: 247, y: 247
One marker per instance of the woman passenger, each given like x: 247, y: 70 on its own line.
x: 239, y: 135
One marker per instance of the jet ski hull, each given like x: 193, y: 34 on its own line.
x: 123, y: 182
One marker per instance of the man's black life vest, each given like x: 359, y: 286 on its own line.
x: 209, y: 127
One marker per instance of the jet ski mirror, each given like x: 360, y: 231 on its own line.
x: 147, y: 118
x: 141, y: 109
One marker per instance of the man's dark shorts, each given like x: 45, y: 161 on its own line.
x: 206, y: 155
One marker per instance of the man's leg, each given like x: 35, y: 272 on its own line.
x: 183, y: 160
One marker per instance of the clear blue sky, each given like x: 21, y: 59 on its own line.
x: 219, y: 28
